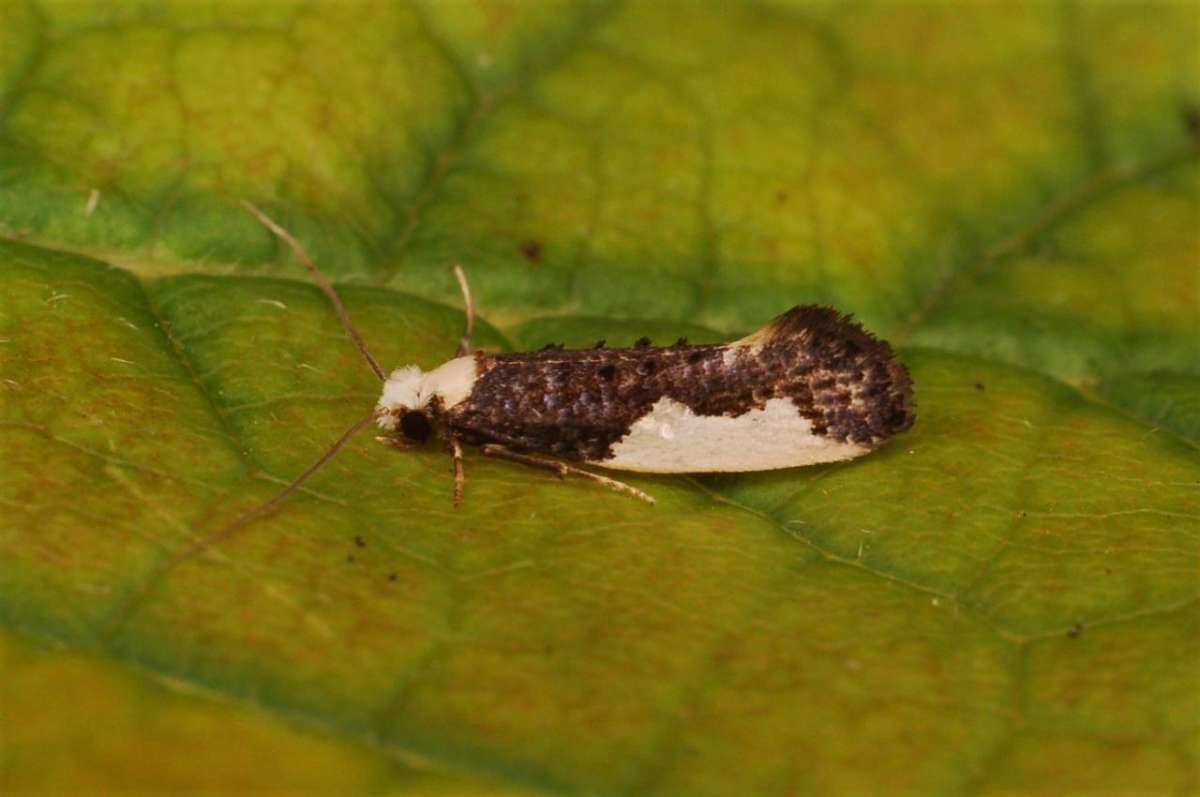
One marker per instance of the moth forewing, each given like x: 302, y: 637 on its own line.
x: 811, y: 386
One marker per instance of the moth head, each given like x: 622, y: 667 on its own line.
x: 402, y: 409
x: 413, y: 400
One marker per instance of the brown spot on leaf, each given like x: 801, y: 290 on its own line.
x: 1190, y: 114
x: 532, y: 250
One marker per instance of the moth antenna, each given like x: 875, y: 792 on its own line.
x: 229, y: 529
x: 322, y: 282
x: 464, y: 343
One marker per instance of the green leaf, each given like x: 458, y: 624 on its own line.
x: 1004, y: 599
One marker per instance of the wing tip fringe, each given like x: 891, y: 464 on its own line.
x: 826, y: 328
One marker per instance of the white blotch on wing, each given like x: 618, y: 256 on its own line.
x: 673, y: 439
x: 452, y: 381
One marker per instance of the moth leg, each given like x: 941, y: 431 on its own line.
x: 464, y: 343
x: 396, y: 442
x: 562, y: 469
x: 459, y: 478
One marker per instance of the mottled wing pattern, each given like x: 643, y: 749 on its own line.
x: 572, y: 404
x: 576, y: 404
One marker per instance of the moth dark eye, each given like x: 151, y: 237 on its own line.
x: 415, y: 426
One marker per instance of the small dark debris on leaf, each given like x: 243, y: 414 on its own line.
x: 350, y: 558
x: 1189, y: 112
x: 1108, y: 571
x: 681, y: 342
x: 641, y: 343
x: 553, y: 347
x: 1075, y: 631
x: 392, y: 576
x: 359, y: 541
x: 980, y: 386
x: 532, y: 250
x: 599, y: 344
x: 781, y: 196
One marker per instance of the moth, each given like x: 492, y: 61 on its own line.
x: 811, y: 386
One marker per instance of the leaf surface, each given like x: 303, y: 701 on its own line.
x: 1002, y: 600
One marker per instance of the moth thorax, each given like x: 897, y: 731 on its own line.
x: 409, y: 389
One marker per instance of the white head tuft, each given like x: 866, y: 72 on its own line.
x: 410, y: 388
x: 401, y: 392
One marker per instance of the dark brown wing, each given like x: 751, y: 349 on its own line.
x: 576, y: 404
